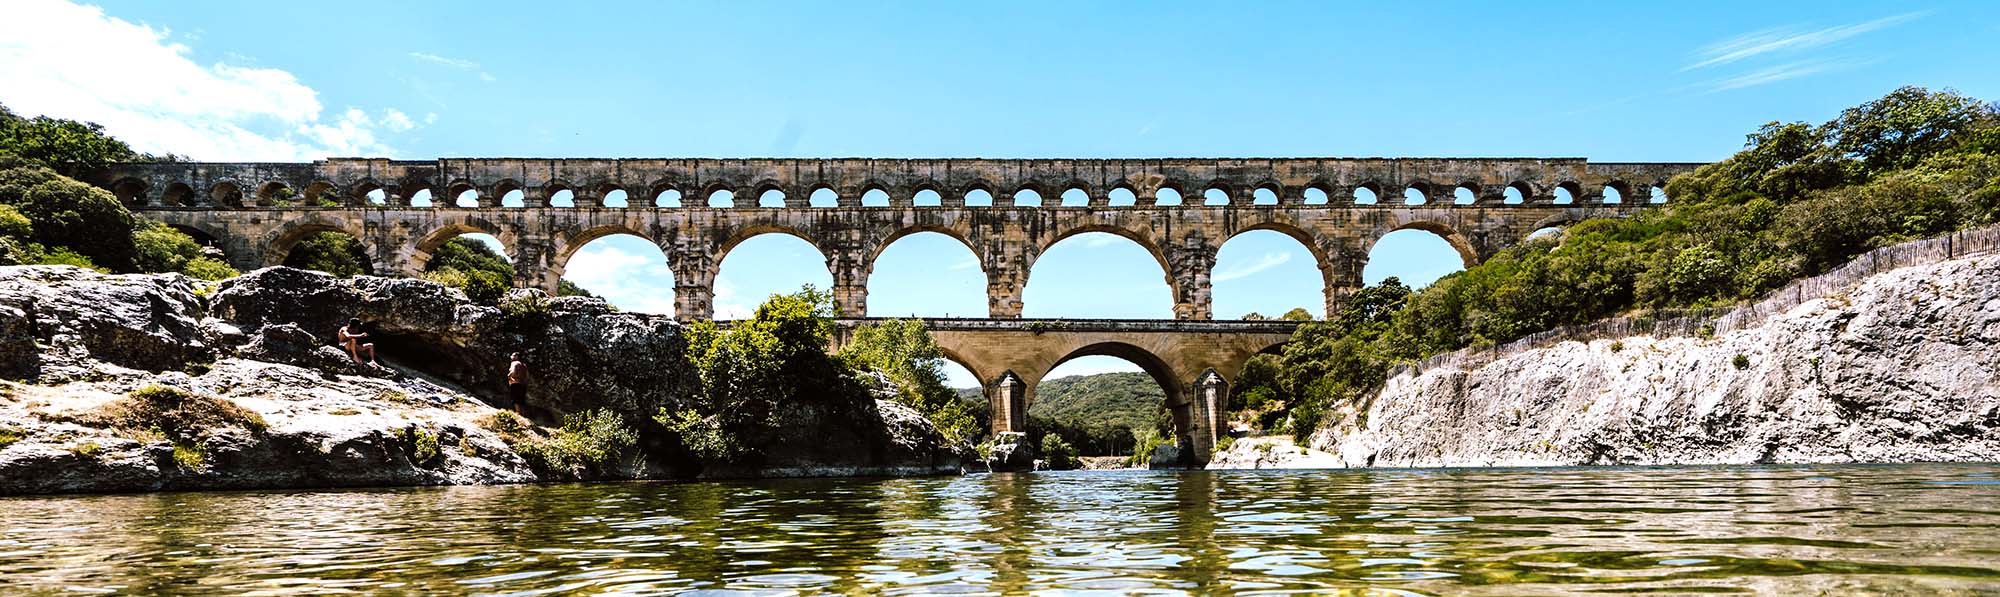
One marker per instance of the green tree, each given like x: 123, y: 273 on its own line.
x: 67, y: 145
x: 1058, y: 454
x: 470, y: 255
x: 335, y: 253
x: 1297, y: 314
x: 564, y: 287
x: 905, y: 352
x: 158, y: 247
x: 1906, y: 126
x: 66, y: 213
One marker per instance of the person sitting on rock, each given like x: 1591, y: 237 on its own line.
x: 350, y: 337
x: 517, y: 383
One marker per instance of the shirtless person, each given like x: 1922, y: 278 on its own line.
x: 350, y: 337
x: 517, y: 382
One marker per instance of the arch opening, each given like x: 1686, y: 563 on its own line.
x: 1098, y: 274
x: 978, y: 198
x: 875, y: 198
x: 1145, y: 406
x: 926, y: 274
x: 1267, y: 274
x: 764, y: 263
x: 514, y: 198
x: 1263, y: 196
x: 771, y: 198
x: 130, y: 191
x: 1414, y: 195
x: 669, y: 197
x: 1167, y: 196
x: 1314, y: 196
x: 1122, y: 197
x: 1565, y: 193
x: 616, y: 198
x: 1514, y: 194
x: 276, y: 194
x: 1612, y: 195
x: 1027, y: 197
x: 467, y: 258
x: 1656, y: 194
x: 177, y: 195
x: 1075, y: 197
x: 927, y: 198
x: 1464, y: 195
x: 1214, y: 196
x: 623, y: 269
x: 823, y: 197
x: 1366, y: 195
x: 722, y: 198
x: 468, y: 197
x: 1416, y: 255
x: 226, y: 195
x: 327, y: 249
x: 422, y: 198
x: 562, y: 198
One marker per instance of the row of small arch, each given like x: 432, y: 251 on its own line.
x: 510, y: 194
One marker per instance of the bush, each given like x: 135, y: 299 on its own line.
x: 423, y: 447
x: 449, y: 277
x: 14, y: 225
x: 160, y: 248
x: 60, y: 256
x: 87, y: 450
x: 1741, y: 361
x: 564, y: 287
x: 67, y: 213
x: 527, y: 305
x: 905, y: 352
x: 1058, y: 454
x: 335, y: 253
x: 209, y: 268
x: 485, y: 287
x: 189, y: 456
x: 8, y: 436
x: 590, y: 440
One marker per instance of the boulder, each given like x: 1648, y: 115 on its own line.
x: 77, y: 319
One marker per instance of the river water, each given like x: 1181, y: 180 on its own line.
x: 1833, y: 529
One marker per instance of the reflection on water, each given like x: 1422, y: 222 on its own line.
x: 1836, y: 529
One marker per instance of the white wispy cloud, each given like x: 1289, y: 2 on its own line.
x: 464, y: 65
x: 73, y: 61
x: 1787, y: 39
x: 632, y: 280
x: 965, y: 264
x: 1241, y: 270
x: 1095, y: 240
x: 1778, y: 73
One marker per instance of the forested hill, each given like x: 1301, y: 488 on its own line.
x: 1097, y: 413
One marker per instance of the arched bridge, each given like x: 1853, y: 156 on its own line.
x: 259, y: 211
x: 1192, y: 361
x: 1007, y: 212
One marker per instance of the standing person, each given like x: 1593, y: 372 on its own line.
x: 350, y: 337
x: 517, y: 382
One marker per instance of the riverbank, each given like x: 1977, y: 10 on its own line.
x: 1898, y: 367
x: 157, y: 382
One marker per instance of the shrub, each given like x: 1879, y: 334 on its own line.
x: 67, y: 213
x: 485, y: 287
x: 209, y: 268
x: 590, y: 440
x: 564, y: 287
x: 159, y: 248
x: 14, y: 225
x: 777, y: 357
x: 905, y: 352
x: 423, y: 446
x: 8, y: 436
x: 335, y: 253
x: 87, y: 450
x: 1057, y: 453
x: 189, y: 456
x: 62, y: 256
x: 526, y: 305
x: 505, y: 423
x: 1741, y: 361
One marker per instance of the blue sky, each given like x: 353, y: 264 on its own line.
x: 1608, y: 81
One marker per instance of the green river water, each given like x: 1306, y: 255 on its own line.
x: 1902, y: 529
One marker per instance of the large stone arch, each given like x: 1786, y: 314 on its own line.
x: 569, y: 242
x: 1152, y: 245
x: 1316, y: 245
x: 279, y: 242
x: 957, y: 233
x: 1459, y: 241
x: 449, y: 228
x: 746, y: 232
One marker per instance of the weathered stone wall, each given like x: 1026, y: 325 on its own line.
x: 259, y: 211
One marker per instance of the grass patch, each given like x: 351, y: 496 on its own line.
x: 174, y: 412
x: 505, y: 423
x: 590, y: 440
x: 423, y: 446
x: 8, y: 436
x: 189, y: 456
x: 344, y: 412
x: 88, y: 450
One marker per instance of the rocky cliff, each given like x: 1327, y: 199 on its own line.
x: 102, y: 379
x: 1904, y: 367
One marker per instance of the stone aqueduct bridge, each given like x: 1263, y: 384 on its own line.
x: 257, y: 212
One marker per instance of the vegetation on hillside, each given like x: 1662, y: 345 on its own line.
x: 753, y: 370
x: 1101, y: 415
x: 50, y: 218
x: 1797, y: 201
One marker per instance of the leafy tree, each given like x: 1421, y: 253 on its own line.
x: 905, y: 352
x: 65, y: 213
x: 469, y: 255
x: 1905, y: 127
x: 208, y: 268
x: 335, y: 253
x: 747, y: 372
x: 158, y: 247
x: 564, y: 287
x: 1297, y: 314
x: 1096, y: 413
x: 68, y: 145
x: 1058, y: 454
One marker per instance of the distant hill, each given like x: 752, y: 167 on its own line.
x: 1096, y: 413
